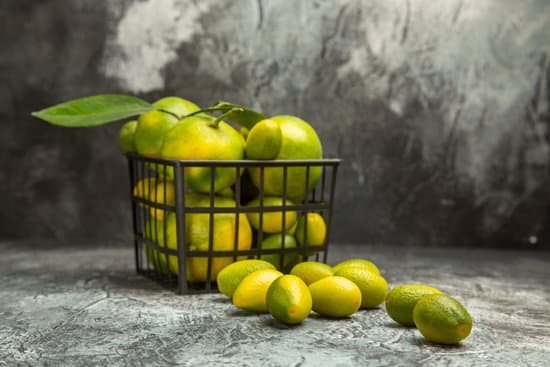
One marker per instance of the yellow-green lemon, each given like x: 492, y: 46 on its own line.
x: 311, y: 271
x: 229, y: 277
x: 299, y: 141
x: 359, y: 263
x: 442, y: 319
x: 373, y: 287
x: 401, y: 300
x: 251, y: 292
x: 264, y: 140
x: 289, y: 300
x: 275, y: 241
x: 335, y: 296
x: 197, y: 138
x: 126, y: 137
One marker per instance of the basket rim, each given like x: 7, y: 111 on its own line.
x: 240, y: 162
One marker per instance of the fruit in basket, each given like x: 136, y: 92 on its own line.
x: 315, y: 233
x: 335, y: 296
x: 272, y: 221
x: 153, y: 126
x: 311, y: 271
x: 299, y: 141
x: 374, y: 287
x: 151, y: 232
x: 198, y: 138
x: 275, y: 241
x: 231, y: 276
x: 401, y: 300
x: 126, y: 137
x: 162, y: 193
x: 288, y: 299
x: 197, y: 229
x: 264, y: 140
x: 357, y: 263
x: 442, y: 319
x: 251, y: 292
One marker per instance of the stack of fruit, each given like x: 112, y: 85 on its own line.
x: 178, y: 130
x: 336, y: 292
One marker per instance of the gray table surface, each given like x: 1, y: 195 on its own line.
x: 86, y: 306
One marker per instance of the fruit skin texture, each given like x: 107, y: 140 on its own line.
x: 153, y: 126
x: 311, y: 271
x: 373, y: 287
x: 194, y: 138
x: 300, y: 141
x: 197, y: 227
x: 315, y: 233
x: 272, y: 221
x: 442, y: 319
x: 353, y: 263
x: 275, y: 241
x: 264, y: 140
x: 289, y: 300
x: 251, y: 293
x: 229, y: 277
x: 335, y: 296
x: 126, y: 137
x: 401, y: 300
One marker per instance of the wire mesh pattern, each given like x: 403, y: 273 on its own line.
x: 183, y: 238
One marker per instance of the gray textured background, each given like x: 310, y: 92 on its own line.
x: 440, y: 109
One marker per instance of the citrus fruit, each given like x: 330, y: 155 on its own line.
x: 442, y: 319
x: 126, y: 139
x: 401, y: 300
x: 373, y: 287
x: 161, y: 193
x: 229, y: 277
x: 196, y: 138
x: 251, y: 292
x: 335, y: 296
x: 272, y: 222
x: 311, y: 271
x: 155, y: 258
x: 311, y: 231
x: 176, y: 106
x: 264, y: 140
x: 275, y: 241
x: 299, y: 141
x: 197, y: 228
x: 357, y: 263
x: 143, y: 187
x: 154, y: 125
x: 289, y: 300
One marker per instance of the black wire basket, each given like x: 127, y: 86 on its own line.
x: 187, y: 227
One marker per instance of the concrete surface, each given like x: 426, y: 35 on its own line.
x: 80, y: 305
x: 440, y: 109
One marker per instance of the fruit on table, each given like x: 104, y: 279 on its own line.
x: 264, y: 140
x: 401, y: 300
x: 197, y: 228
x: 153, y: 126
x: 251, y: 292
x: 373, y: 286
x: 229, y: 278
x: 357, y: 263
x: 335, y: 296
x: 275, y: 241
x: 198, y: 138
x: 272, y: 222
x: 126, y: 137
x: 315, y: 233
x: 288, y: 299
x: 442, y: 319
x: 299, y: 141
x: 311, y: 271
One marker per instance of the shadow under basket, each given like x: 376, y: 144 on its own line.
x: 192, y: 218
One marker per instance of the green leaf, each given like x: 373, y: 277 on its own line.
x: 238, y: 114
x: 94, y: 110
